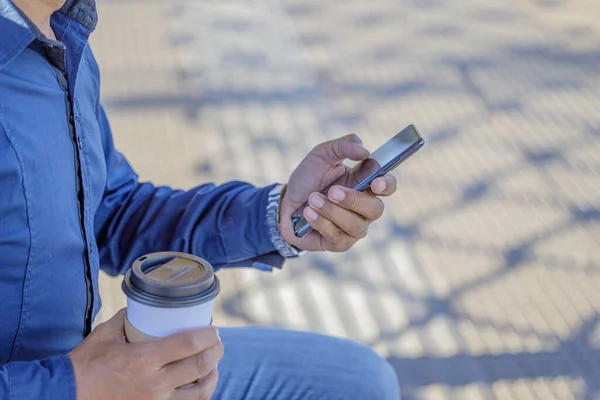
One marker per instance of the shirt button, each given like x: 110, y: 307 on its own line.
x: 80, y: 143
x: 71, y: 119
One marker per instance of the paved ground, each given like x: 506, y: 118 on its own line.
x: 484, y: 279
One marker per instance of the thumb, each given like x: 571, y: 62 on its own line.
x: 349, y: 146
x: 113, y: 330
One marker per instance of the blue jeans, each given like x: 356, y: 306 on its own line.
x: 276, y: 364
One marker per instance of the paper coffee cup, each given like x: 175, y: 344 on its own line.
x: 168, y: 292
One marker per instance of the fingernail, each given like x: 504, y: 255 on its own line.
x: 357, y: 140
x: 382, y: 185
x: 338, y: 194
x: 316, y: 201
x: 311, y: 214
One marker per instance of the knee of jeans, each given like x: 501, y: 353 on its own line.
x: 375, y: 378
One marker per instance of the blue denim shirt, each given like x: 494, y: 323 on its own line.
x: 71, y: 205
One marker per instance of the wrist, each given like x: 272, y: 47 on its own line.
x: 274, y: 216
x: 284, y: 217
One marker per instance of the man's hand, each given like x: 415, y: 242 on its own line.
x: 342, y: 217
x: 107, y: 367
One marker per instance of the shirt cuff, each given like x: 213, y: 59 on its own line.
x: 268, y: 261
x: 267, y: 257
x: 265, y: 262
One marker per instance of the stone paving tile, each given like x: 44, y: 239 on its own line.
x: 483, y: 279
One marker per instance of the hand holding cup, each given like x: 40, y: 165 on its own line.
x: 106, y: 366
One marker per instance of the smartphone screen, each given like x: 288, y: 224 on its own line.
x: 381, y: 161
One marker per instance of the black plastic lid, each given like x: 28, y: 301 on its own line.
x: 171, y: 279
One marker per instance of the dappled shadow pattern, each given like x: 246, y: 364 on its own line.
x: 490, y: 251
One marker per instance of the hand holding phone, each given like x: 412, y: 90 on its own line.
x: 383, y: 160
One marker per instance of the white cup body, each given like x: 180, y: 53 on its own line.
x: 162, y: 321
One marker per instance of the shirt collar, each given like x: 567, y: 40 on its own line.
x: 10, y: 12
x: 82, y: 11
x: 16, y: 34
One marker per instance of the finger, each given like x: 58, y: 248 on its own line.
x: 334, y: 238
x: 202, y: 390
x: 384, y: 185
x: 351, y: 223
x: 312, y: 241
x: 194, y: 367
x: 184, y: 344
x: 113, y: 330
x: 370, y: 207
x: 349, y: 146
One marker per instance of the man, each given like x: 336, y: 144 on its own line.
x: 70, y: 204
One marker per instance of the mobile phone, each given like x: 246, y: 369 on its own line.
x: 383, y: 160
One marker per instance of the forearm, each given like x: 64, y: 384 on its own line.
x: 224, y: 224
